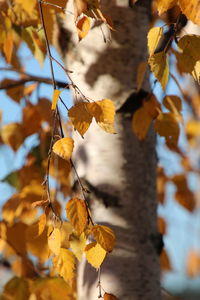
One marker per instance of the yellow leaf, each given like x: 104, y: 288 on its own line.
x: 190, y: 53
x: 80, y: 117
x: 159, y: 66
x: 56, y: 94
x: 107, y: 296
x: 54, y: 241
x: 16, y: 289
x: 191, y: 9
x: 104, y: 113
x: 141, y: 122
x: 66, y: 230
x: 104, y: 236
x: 39, y: 246
x: 196, y: 72
x: 52, y: 289
x: 8, y: 46
x: 166, y: 125
x: 153, y: 38
x: 95, y: 254
x: 141, y: 70
x: 77, y: 244
x: 77, y: 214
x: 12, y: 134
x: 64, y: 147
x: 34, y: 230
x: 163, y: 5
x: 83, y: 27
x: 64, y: 264
x: 193, y: 128
x: 28, y: 6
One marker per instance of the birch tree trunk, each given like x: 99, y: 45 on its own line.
x: 119, y: 169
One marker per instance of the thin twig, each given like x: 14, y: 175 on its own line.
x: 177, y: 83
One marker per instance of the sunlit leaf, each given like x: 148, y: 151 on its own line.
x: 141, y: 122
x: 80, y: 6
x: 54, y: 241
x: 141, y: 71
x: 64, y: 147
x: 27, y: 5
x: 104, y: 236
x: 56, y: 94
x: 95, y: 254
x: 191, y: 9
x: 153, y: 38
x: 34, y: 230
x: 8, y: 46
x: 193, y: 264
x: 163, y: 5
x: 64, y: 264
x: 159, y: 66
x: 167, y: 125
x: 77, y: 214
x: 80, y: 117
x: 17, y: 287
x: 83, y: 27
x: 77, y: 244
x: 13, y: 135
x: 107, y: 296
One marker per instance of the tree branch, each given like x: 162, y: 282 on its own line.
x: 29, y: 78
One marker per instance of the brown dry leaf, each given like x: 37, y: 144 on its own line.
x: 104, y: 113
x: 54, y: 241
x: 77, y: 214
x: 104, y: 236
x: 39, y: 246
x: 16, y: 288
x: 15, y: 93
x: 191, y: 9
x: 107, y: 296
x: 173, y: 103
x: 13, y: 135
x: 55, y: 97
x: 183, y: 195
x: 153, y: 37
x: 15, y: 238
x: 163, y: 5
x: 64, y: 264
x: 83, y: 27
x: 80, y: 117
x: 23, y: 267
x: 95, y: 254
x: 164, y: 261
x: 64, y: 147
x: 159, y: 67
x: 8, y: 46
x: 31, y: 121
x: 161, y: 225
x: 193, y: 264
x: 141, y: 71
x: 11, y: 209
x: 141, y: 122
x: 167, y: 125
x: 35, y: 229
x: 161, y: 182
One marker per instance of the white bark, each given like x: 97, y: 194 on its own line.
x: 118, y: 164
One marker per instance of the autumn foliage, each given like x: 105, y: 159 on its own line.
x: 42, y: 241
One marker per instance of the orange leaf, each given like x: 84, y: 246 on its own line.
x: 8, y: 46
x: 64, y: 147
x: 191, y: 9
x: 193, y: 263
x: 161, y: 225
x: 77, y: 214
x: 104, y: 236
x: 109, y: 297
x: 83, y: 27
x: 164, y: 261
